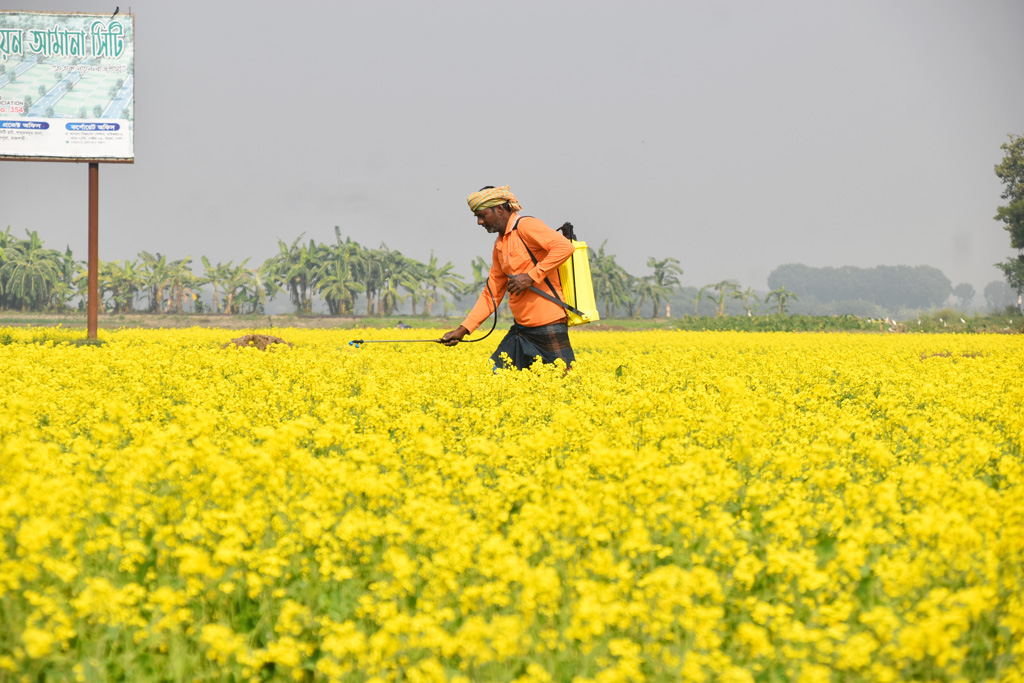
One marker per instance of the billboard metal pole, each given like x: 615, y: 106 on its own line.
x: 94, y: 247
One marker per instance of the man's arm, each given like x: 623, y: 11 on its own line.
x: 498, y: 282
x: 556, y: 248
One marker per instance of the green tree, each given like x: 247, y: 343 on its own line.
x: 6, y: 240
x: 665, y: 280
x: 296, y: 270
x: 397, y: 271
x: 373, y: 272
x: 261, y: 285
x: 723, y: 290
x: 964, y: 293
x: 64, y: 290
x: 155, y: 277
x: 612, y: 284
x: 998, y: 296
x: 80, y: 285
x: 338, y: 281
x: 1013, y: 271
x: 782, y: 296
x: 645, y: 288
x: 61, y: 294
x: 1011, y: 173
x: 180, y: 280
x: 1013, y: 217
x: 481, y: 271
x: 438, y: 281
x: 237, y: 288
x: 338, y: 287
x: 749, y: 298
x: 215, y: 275
x: 122, y: 282
x: 29, y: 272
x: 696, y: 299
x: 414, y: 283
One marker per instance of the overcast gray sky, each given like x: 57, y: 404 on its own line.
x: 735, y: 135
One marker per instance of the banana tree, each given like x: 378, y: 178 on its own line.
x: 155, y: 278
x: 441, y: 278
x: 664, y: 280
x: 337, y: 282
x: 29, y: 272
x: 782, y: 296
x: 612, y: 284
x: 295, y: 268
x: 123, y: 282
x: 749, y: 298
x: 180, y: 280
x: 236, y: 288
x: 215, y: 276
x: 724, y: 290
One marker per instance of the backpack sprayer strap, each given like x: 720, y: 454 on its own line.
x: 553, y: 297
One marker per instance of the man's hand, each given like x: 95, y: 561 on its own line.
x: 455, y: 336
x: 519, y: 283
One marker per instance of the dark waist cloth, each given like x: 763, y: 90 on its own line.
x: 523, y: 344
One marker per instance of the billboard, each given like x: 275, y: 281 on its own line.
x: 67, y: 85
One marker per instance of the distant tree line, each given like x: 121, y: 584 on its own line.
x: 35, y: 278
x: 343, y: 276
x: 890, y: 287
x: 347, y: 279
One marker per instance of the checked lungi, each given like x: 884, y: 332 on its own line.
x: 524, y: 344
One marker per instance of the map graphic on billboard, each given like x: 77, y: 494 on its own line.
x: 67, y: 86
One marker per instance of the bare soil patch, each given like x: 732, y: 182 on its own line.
x: 259, y: 341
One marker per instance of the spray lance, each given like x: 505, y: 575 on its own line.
x: 358, y: 342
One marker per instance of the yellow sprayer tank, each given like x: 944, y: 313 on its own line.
x: 577, y: 285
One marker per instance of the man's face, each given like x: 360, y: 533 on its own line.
x: 494, y: 219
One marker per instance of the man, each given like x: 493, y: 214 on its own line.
x: 540, y: 327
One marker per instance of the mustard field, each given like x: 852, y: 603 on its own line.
x: 679, y: 507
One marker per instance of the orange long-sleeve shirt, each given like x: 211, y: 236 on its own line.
x: 510, y: 257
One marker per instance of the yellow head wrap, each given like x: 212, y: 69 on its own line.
x: 495, y: 196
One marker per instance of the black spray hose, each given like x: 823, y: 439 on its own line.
x: 357, y: 342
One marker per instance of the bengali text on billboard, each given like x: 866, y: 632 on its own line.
x: 66, y: 86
